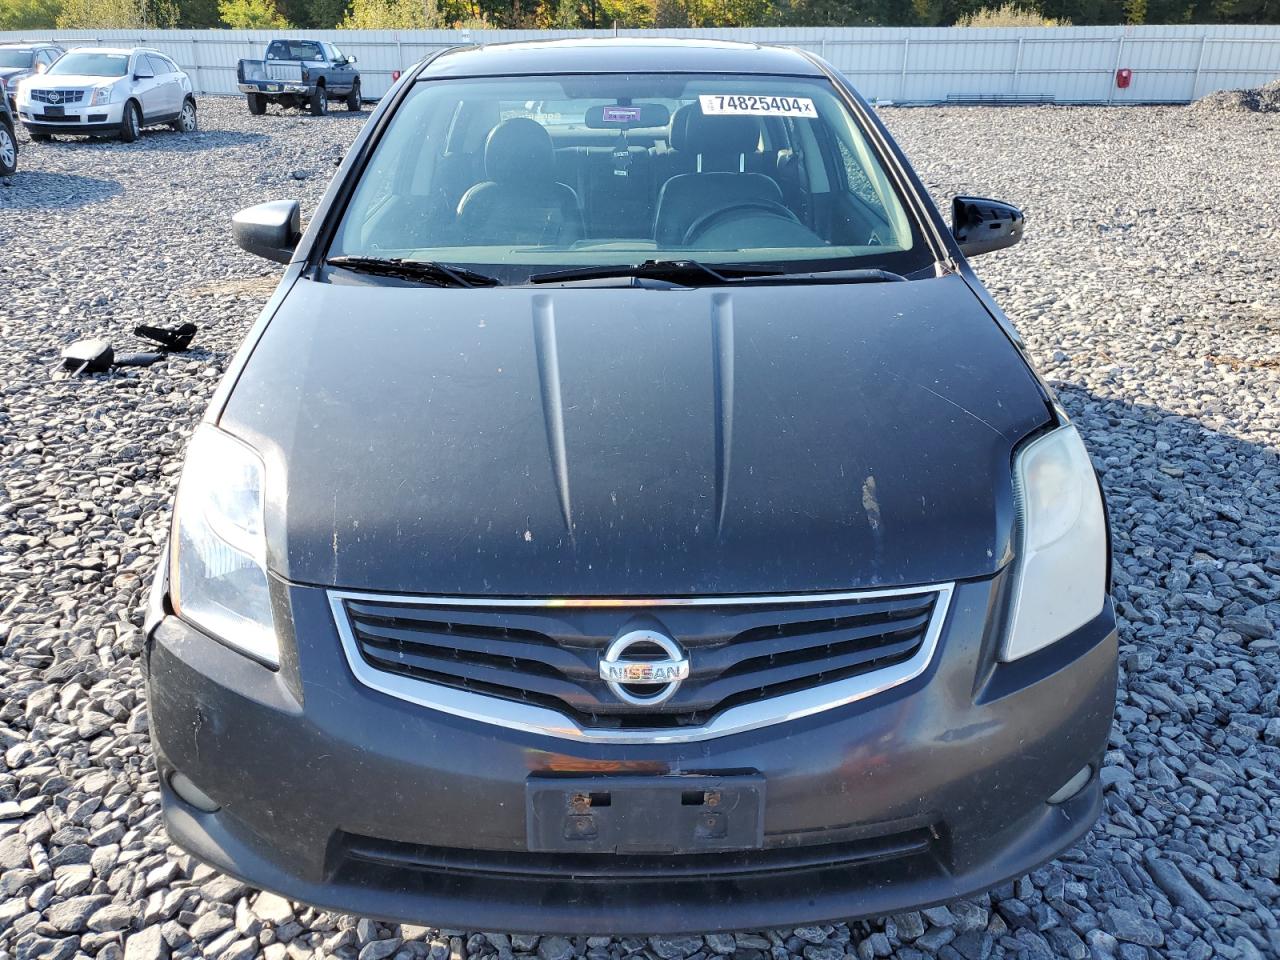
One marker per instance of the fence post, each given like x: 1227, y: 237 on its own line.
x: 902, y: 84
x: 1195, y: 83
x: 196, y: 64
x: 1017, y: 68
x: 1111, y: 80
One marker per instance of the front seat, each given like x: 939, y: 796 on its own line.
x: 520, y: 202
x: 723, y: 146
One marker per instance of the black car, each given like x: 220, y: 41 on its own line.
x: 631, y: 515
x: 8, y: 140
x: 20, y: 60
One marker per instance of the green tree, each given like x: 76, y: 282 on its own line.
x: 843, y: 13
x: 251, y: 15
x: 198, y: 14
x: 568, y: 15
x: 393, y: 15
x: 117, y: 14
x: 670, y: 14
x: 1248, y: 11
x: 313, y: 14
x: 1009, y: 15
x: 29, y: 14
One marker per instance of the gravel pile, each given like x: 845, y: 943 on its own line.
x: 1265, y: 99
x: 1148, y: 292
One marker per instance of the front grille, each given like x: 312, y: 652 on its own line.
x: 548, y: 655
x: 56, y: 97
x: 620, y: 867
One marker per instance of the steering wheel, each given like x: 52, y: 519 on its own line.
x: 708, y: 220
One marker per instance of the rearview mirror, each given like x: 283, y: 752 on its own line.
x: 981, y: 225
x: 619, y: 117
x: 269, y: 230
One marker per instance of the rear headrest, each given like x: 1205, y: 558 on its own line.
x: 720, y: 136
x: 519, y: 149
x: 678, y: 134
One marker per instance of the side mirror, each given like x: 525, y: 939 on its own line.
x: 144, y: 76
x: 980, y: 225
x: 270, y: 230
x: 351, y: 59
x: 40, y: 68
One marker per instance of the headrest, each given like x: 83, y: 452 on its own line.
x: 678, y: 135
x: 721, y: 135
x: 519, y: 149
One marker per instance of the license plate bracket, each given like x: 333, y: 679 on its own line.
x: 645, y: 815
x: 52, y: 111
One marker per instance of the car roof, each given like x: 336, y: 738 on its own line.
x: 128, y: 51
x: 27, y: 44
x: 620, y: 55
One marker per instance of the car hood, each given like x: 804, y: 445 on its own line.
x: 69, y: 81
x: 577, y: 441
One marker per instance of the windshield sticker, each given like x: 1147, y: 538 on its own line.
x: 715, y: 104
x: 620, y: 114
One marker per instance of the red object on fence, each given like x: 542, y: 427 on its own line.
x: 1124, y: 77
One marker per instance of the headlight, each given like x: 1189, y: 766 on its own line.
x: 101, y: 95
x: 218, y: 572
x: 1062, y: 551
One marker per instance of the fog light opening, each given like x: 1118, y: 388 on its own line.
x: 1072, y: 786
x: 191, y: 794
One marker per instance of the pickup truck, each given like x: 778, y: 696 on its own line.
x: 300, y: 73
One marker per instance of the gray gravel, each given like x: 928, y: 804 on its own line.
x: 1264, y: 99
x: 1148, y: 291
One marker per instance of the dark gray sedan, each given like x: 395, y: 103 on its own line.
x: 631, y: 515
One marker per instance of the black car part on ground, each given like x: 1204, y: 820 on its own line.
x: 97, y: 356
x: 172, y: 339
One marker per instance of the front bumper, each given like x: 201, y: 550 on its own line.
x: 345, y: 798
x: 105, y: 118
x: 275, y: 88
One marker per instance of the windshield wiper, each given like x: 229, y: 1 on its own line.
x: 672, y: 271
x: 421, y: 271
x: 695, y: 273
x: 864, y: 275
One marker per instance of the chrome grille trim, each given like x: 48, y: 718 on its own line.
x: 62, y: 96
x: 529, y: 718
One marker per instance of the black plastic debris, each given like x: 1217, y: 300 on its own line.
x: 171, y: 339
x: 97, y: 356
x: 88, y: 356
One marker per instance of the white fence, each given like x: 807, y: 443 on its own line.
x: 1173, y: 64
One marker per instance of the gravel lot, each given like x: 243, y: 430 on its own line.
x: 1148, y: 291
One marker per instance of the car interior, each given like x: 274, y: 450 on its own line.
x: 631, y: 175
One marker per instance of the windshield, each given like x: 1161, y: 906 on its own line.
x: 518, y: 176
x: 15, y: 58
x: 91, y: 65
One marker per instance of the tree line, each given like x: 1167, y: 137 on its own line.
x: 573, y: 14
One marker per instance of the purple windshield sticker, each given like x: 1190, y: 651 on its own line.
x: 620, y: 114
